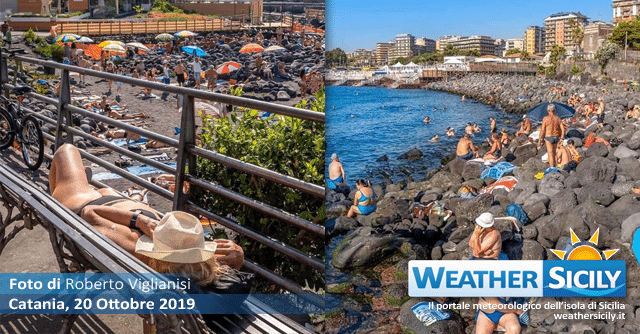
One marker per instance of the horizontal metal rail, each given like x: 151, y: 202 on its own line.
x: 277, y: 280
x: 257, y: 205
x: 288, y: 181
x: 251, y: 234
x: 222, y: 98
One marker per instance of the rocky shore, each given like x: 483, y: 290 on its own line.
x: 375, y: 249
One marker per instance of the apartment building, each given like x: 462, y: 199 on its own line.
x: 442, y: 42
x: 515, y: 43
x: 404, y: 46
x: 425, y: 45
x: 624, y: 10
x: 500, y: 47
x: 595, y: 34
x: 558, y: 29
x: 381, y: 55
x: 533, y: 40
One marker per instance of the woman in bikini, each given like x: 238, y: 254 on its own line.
x: 121, y: 219
x: 496, y: 148
x: 364, y: 202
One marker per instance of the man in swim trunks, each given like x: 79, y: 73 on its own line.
x: 485, y: 241
x: 551, y: 132
x: 336, y: 173
x: 465, y: 149
x: 180, y: 73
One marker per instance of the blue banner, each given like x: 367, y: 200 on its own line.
x: 584, y: 279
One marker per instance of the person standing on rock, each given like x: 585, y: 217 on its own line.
x: 212, y: 77
x: 466, y: 150
x: 364, y: 203
x: 494, y: 124
x: 180, y: 73
x: 485, y: 240
x: 197, y: 69
x: 337, y: 174
x: 551, y: 132
x: 600, y: 112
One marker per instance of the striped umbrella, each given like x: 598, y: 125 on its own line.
x: 251, y: 48
x: 164, y: 37
x: 93, y: 51
x: 138, y: 45
x: 228, y: 67
x: 105, y: 43
x: 185, y: 33
x: 67, y: 38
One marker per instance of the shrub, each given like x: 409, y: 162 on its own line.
x: 53, y: 51
x: 30, y: 36
x: 605, y: 53
x: 163, y: 6
x: 287, y: 145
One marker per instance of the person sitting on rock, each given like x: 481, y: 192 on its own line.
x: 633, y: 113
x: 279, y: 70
x: 465, y: 149
x: 485, y: 240
x: 104, y: 104
x: 493, y: 312
x: 337, y: 175
x: 525, y: 127
x: 552, y: 132
x: 495, y: 152
x: 364, y: 202
x: 563, y: 159
x: 504, y: 139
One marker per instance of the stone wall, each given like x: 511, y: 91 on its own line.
x: 78, y: 5
x: 616, y: 70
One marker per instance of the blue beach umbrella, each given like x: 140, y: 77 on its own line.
x: 67, y: 38
x: 192, y: 49
x: 538, y: 112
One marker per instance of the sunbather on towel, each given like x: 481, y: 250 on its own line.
x: 114, y: 134
x: 117, y: 115
x: 126, y: 221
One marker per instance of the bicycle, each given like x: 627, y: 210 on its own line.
x: 25, y: 129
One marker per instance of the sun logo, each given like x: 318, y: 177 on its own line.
x: 581, y: 250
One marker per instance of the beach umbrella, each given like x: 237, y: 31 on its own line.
x: 85, y: 39
x: 228, y: 67
x: 138, y: 45
x: 192, y: 49
x: 274, y: 48
x: 251, y: 48
x: 93, y: 51
x: 67, y: 38
x: 164, y: 37
x: 185, y: 33
x: 538, y: 112
x: 105, y: 43
x: 113, y: 47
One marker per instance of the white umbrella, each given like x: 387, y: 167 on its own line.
x: 113, y: 47
x: 138, y: 45
x: 85, y: 39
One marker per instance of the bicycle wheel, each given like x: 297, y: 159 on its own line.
x: 32, y: 143
x: 6, y: 131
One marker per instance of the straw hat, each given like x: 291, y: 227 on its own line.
x: 178, y: 238
x: 485, y: 220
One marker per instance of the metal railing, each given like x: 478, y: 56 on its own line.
x: 186, y: 160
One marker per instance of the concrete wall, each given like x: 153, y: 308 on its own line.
x: 9, y: 5
x: 616, y: 70
x: 252, y: 10
x: 30, y: 6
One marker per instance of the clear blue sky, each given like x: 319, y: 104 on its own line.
x: 353, y: 24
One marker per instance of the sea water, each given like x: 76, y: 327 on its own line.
x: 365, y: 123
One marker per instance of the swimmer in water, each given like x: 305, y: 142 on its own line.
x: 383, y: 106
x: 451, y: 132
x: 434, y: 138
x: 352, y: 115
x: 423, y: 106
x: 468, y: 129
x: 444, y: 107
x: 427, y: 119
x: 476, y: 128
x: 435, y: 109
x: 334, y: 107
x: 463, y: 98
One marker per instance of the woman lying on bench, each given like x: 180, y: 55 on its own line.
x: 129, y: 223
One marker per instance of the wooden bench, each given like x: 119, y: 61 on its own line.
x: 80, y: 248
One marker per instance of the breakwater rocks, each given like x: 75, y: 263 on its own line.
x: 515, y: 93
x: 375, y: 249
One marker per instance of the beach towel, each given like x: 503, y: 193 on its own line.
x: 428, y: 313
x: 498, y: 170
x: 551, y: 170
x: 515, y: 210
x: 136, y: 170
x: 506, y: 182
x: 123, y: 142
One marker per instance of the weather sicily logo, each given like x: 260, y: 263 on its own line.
x: 581, y: 250
x: 587, y: 272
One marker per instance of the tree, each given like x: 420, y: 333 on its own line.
x: 401, y: 60
x: 513, y: 51
x: 628, y: 29
x: 605, y: 53
x: 335, y: 58
x: 450, y: 50
x: 558, y: 53
x: 524, y: 56
x: 577, y: 34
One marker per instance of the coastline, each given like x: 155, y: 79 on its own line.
x: 373, y: 251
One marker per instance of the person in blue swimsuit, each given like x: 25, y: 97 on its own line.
x: 495, y: 152
x: 364, y: 202
x: 489, y: 317
x: 337, y: 175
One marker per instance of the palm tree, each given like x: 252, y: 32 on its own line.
x: 577, y: 34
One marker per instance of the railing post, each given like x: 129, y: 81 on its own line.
x: 187, y: 136
x: 4, y: 74
x: 64, y: 99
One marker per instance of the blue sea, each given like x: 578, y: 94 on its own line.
x: 366, y: 123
